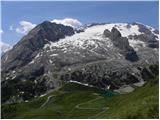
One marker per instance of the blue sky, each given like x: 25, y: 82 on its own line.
x: 85, y: 12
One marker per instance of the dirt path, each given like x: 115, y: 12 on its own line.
x: 49, y: 97
x: 78, y: 106
x: 104, y: 109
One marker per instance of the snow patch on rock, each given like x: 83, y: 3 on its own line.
x: 85, y: 84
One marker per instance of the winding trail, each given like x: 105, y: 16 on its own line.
x: 49, y: 97
x: 78, y: 106
x: 104, y: 109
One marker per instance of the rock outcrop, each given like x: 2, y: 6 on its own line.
x: 121, y: 43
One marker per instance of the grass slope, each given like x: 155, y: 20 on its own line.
x: 77, y: 101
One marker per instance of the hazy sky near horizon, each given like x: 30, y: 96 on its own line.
x: 18, y: 17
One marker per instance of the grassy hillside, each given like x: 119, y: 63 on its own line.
x: 77, y: 101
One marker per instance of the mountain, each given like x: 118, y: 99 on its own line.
x: 113, y: 55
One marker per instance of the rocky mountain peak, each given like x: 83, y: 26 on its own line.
x: 30, y: 44
x: 45, y: 23
x: 115, y: 33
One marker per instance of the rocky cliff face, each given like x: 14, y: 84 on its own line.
x: 121, y: 43
x: 101, y: 55
x: 27, y: 48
